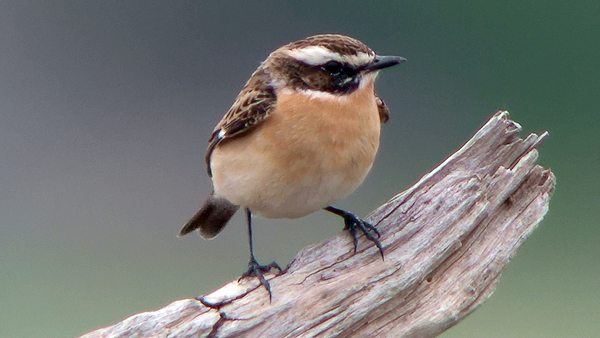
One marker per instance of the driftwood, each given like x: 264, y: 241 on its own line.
x: 446, y: 240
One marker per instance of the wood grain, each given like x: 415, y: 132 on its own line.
x: 447, y: 239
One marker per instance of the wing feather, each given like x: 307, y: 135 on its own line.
x: 252, y: 106
x: 384, y: 111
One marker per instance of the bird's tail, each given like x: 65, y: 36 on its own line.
x: 211, y: 218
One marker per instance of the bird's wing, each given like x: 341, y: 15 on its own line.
x: 252, y: 106
x: 384, y: 111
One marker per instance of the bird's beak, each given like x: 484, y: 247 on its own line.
x: 381, y: 62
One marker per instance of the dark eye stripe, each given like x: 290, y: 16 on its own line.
x: 338, y: 70
x: 333, y: 67
x: 333, y: 76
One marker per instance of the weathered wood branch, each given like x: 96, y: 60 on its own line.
x: 447, y: 239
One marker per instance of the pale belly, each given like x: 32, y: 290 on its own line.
x: 293, y: 165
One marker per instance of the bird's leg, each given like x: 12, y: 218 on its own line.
x: 255, y: 269
x: 353, y: 224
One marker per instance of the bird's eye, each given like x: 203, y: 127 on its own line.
x: 333, y: 67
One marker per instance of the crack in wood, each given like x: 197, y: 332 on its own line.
x: 447, y: 239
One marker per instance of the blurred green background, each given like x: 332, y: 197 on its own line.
x: 106, y: 107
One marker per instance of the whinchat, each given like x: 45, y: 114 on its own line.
x: 302, y: 134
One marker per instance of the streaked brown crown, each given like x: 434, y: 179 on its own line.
x: 341, y: 44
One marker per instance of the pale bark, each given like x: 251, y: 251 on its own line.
x: 446, y: 240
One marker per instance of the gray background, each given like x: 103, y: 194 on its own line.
x: 106, y: 107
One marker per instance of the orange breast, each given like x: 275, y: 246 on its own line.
x: 310, y: 152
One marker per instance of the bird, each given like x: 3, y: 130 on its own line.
x: 302, y: 134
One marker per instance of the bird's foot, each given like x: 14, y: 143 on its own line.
x: 257, y: 270
x: 354, y: 224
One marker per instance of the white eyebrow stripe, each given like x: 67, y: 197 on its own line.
x: 314, y: 55
x: 360, y: 59
x: 319, y: 55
